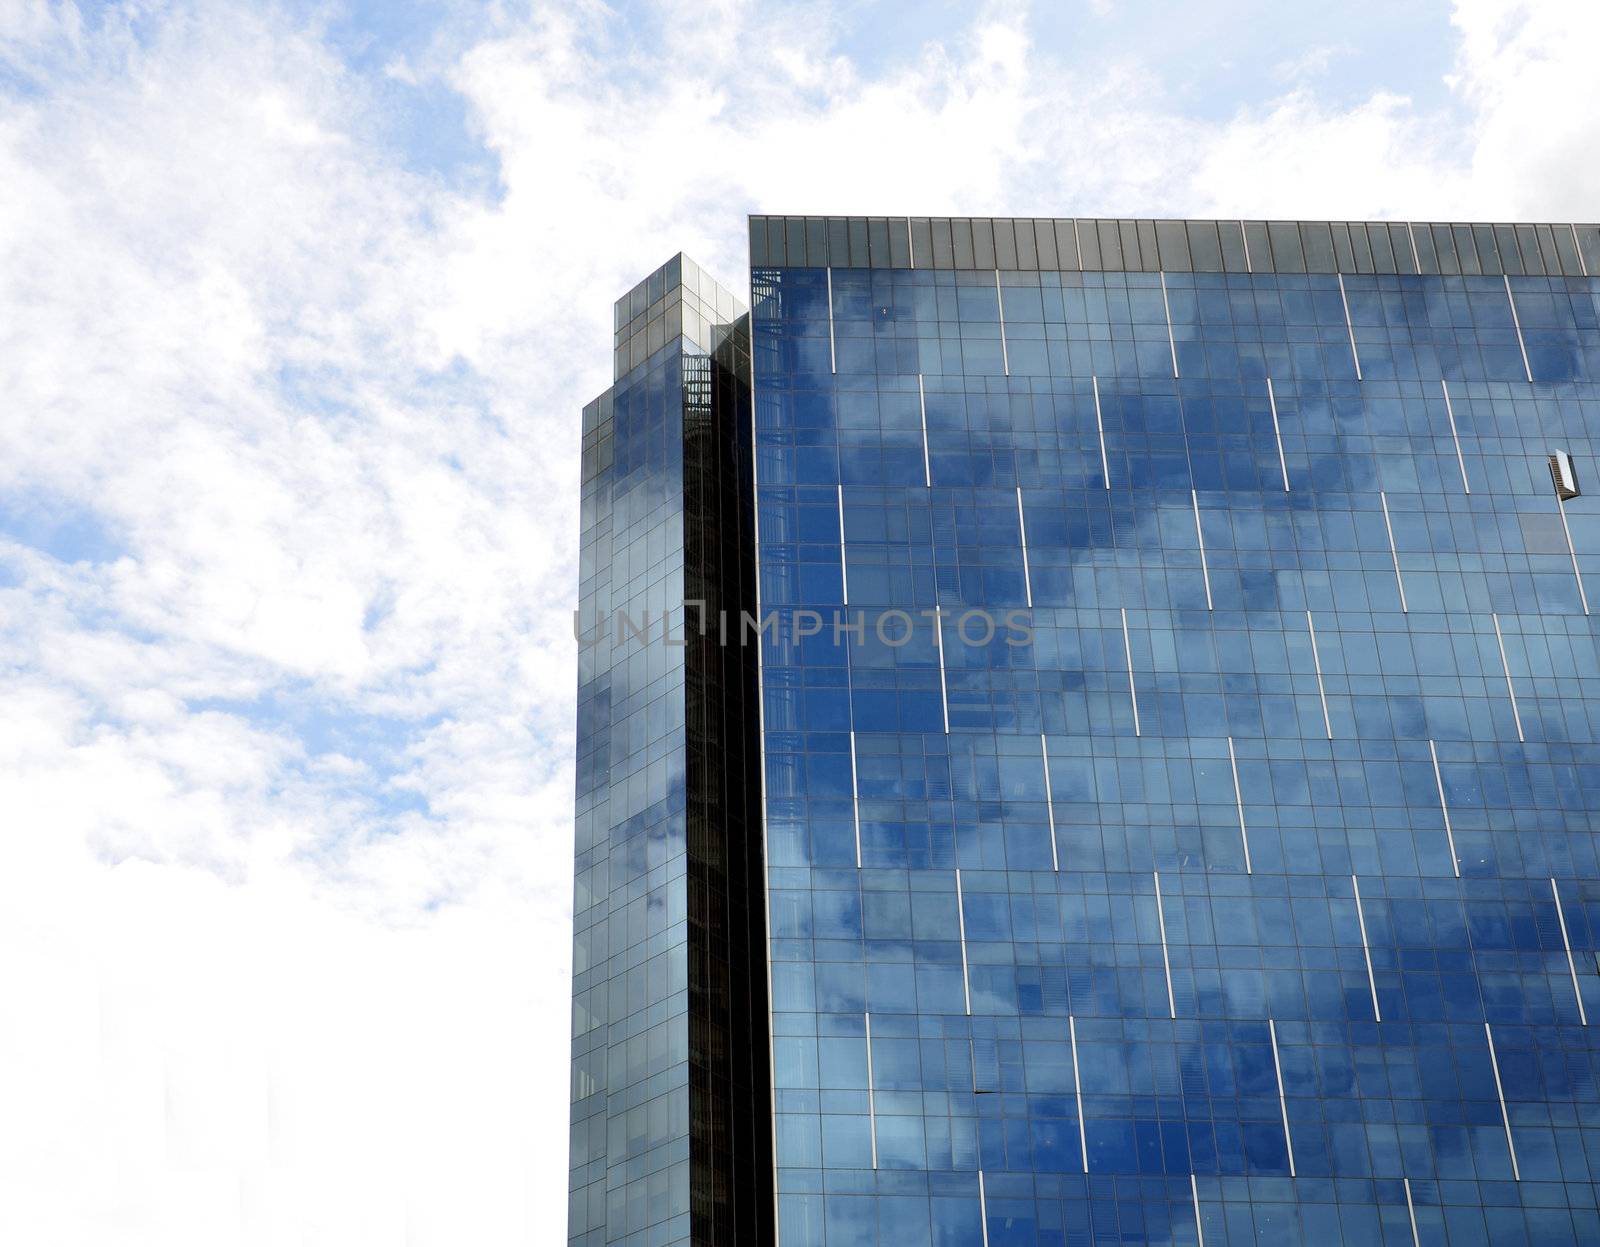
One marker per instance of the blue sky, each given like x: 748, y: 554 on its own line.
x: 298, y: 307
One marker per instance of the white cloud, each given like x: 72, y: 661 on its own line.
x: 287, y: 771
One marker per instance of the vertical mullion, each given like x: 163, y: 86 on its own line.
x: 1316, y: 661
x: 833, y: 355
x: 983, y: 1209
x: 1100, y: 425
x: 1277, y: 433
x: 1166, y: 961
x: 1238, y: 801
x: 1200, y: 539
x: 1166, y: 306
x: 872, y: 1108
x: 1566, y: 943
x: 1349, y: 328
x: 1561, y: 506
x: 1499, y: 1090
x: 1022, y: 530
x: 1000, y: 302
x: 1366, y: 949
x: 1283, y: 1103
x: 1245, y: 235
x: 1194, y: 1194
x: 855, y: 796
x: 1077, y: 1090
x: 1411, y: 1211
x: 1394, y: 554
x: 944, y: 691
x: 1444, y: 808
x: 1517, y: 324
x: 1133, y: 693
x: 1049, y: 802
x: 844, y: 566
x: 922, y: 408
x: 1511, y: 688
x: 1450, y: 413
x: 961, y: 922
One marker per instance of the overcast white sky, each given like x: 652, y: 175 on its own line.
x: 298, y: 307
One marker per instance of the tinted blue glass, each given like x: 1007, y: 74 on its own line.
x: 1255, y: 892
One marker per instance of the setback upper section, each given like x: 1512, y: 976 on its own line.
x: 679, y: 299
x: 1128, y: 245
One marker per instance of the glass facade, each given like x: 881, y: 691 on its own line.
x: 1134, y: 774
x: 1248, y: 893
x: 670, y: 1128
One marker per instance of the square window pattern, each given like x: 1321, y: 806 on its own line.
x: 1254, y: 897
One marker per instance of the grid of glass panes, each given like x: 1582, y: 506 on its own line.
x: 629, y: 1161
x: 1305, y: 739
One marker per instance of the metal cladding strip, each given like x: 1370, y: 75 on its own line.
x: 1283, y: 1103
x: 1277, y: 433
x: 1411, y: 1211
x: 1561, y: 506
x: 1444, y: 808
x: 983, y: 1210
x: 1022, y: 530
x: 1133, y: 693
x: 872, y: 1108
x: 1244, y: 234
x: 1499, y: 1090
x: 1166, y: 306
x: 1238, y: 801
x: 1366, y: 949
x: 1516, y: 323
x: 833, y: 356
x: 1200, y: 540
x: 911, y: 244
x: 855, y: 796
x: 1415, y: 258
x: 1349, y: 328
x: 1049, y: 803
x: 1394, y: 554
x: 944, y: 692
x: 1511, y: 689
x: 1566, y: 943
x: 961, y: 921
x: 1000, y: 302
x: 1194, y: 1194
x: 1450, y: 411
x: 1077, y: 1090
x: 1166, y: 961
x: 922, y: 408
x: 1100, y: 424
x: 844, y: 566
x: 1583, y: 265
x: 1316, y: 661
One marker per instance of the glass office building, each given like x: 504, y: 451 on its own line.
x: 1169, y: 782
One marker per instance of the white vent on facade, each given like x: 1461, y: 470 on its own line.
x: 1566, y: 480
